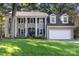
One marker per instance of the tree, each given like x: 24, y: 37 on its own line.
x: 13, y: 19
x: 56, y: 7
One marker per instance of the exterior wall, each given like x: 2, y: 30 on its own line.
x: 40, y: 25
x: 31, y: 25
x: 26, y: 31
x: 20, y: 25
x: 16, y: 29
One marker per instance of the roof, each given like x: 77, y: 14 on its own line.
x: 31, y: 13
x: 59, y: 22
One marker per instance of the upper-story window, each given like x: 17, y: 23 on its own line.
x: 53, y: 18
x: 40, y: 20
x: 64, y: 18
x: 31, y: 20
x: 18, y: 20
x: 21, y: 20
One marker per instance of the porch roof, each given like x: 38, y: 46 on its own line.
x: 31, y: 13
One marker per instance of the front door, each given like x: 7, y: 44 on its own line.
x: 31, y: 32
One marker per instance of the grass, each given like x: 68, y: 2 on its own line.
x: 22, y: 47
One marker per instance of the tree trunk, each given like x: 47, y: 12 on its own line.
x: 13, y: 20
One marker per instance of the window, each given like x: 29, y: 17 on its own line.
x: 43, y: 20
x: 40, y: 20
x: 37, y: 20
x: 18, y: 20
x: 53, y: 19
x: 34, y: 20
x: 40, y: 31
x: 65, y: 20
x: 22, y: 20
x: 28, y: 19
x: 21, y: 31
x: 31, y: 20
x: 18, y: 31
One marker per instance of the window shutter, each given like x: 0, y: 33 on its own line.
x: 24, y: 20
x: 37, y: 20
x: 43, y: 20
x: 18, y: 31
x: 28, y: 19
x: 38, y: 31
x: 18, y: 20
x: 34, y: 20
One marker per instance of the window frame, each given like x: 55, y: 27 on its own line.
x: 65, y: 19
x: 18, y: 19
x: 21, y: 31
x: 40, y: 31
x: 40, y: 21
x: 52, y: 18
x: 21, y: 20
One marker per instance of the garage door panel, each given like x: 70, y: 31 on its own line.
x: 59, y: 34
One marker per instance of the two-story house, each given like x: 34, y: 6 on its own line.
x: 40, y: 24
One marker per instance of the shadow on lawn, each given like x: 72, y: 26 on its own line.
x: 38, y: 48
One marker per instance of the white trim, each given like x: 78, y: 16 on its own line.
x: 54, y: 19
x: 26, y: 31
x: 40, y: 20
x: 62, y: 26
x: 45, y: 26
x: 62, y: 18
x: 36, y: 26
x: 15, y: 26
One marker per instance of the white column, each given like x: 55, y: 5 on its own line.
x: 36, y: 26
x: 15, y: 26
x: 26, y: 31
x: 6, y: 27
x: 45, y: 27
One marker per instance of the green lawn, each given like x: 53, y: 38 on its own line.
x: 27, y: 47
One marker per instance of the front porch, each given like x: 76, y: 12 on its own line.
x: 32, y: 27
x: 27, y: 24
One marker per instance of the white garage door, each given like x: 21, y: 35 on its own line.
x: 59, y: 34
